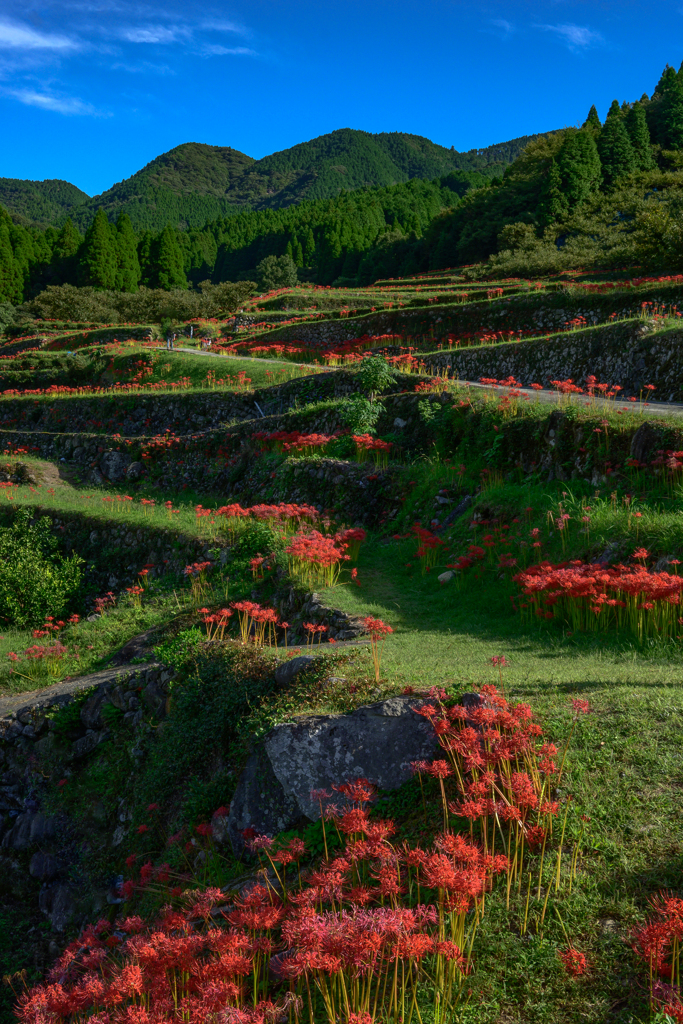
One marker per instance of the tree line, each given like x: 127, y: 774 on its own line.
x: 325, y: 239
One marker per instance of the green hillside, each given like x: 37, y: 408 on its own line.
x: 195, y: 183
x: 40, y: 202
x: 185, y: 187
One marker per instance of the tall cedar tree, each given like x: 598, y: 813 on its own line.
x: 593, y: 121
x: 10, y: 278
x: 170, y: 272
x: 553, y: 204
x: 614, y: 146
x: 127, y: 263
x: 672, y: 110
x: 638, y: 133
x: 579, y: 165
x: 98, y: 255
x: 64, y: 259
x: 655, y: 109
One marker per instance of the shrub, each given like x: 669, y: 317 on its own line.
x: 35, y: 580
x: 375, y: 375
x: 360, y: 415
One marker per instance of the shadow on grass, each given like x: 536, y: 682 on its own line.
x: 481, y: 609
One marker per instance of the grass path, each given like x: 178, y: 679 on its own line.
x: 445, y: 635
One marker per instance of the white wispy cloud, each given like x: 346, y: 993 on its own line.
x: 223, y: 26
x: 501, y: 23
x: 156, y: 34
x: 577, y: 37
x: 69, y: 105
x: 213, y: 50
x: 16, y: 36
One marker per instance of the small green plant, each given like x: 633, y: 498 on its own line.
x: 35, y: 579
x: 175, y: 651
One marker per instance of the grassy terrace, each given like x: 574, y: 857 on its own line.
x: 576, y: 496
x: 138, y: 368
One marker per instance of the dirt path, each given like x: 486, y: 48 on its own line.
x: 553, y: 398
x: 249, y: 359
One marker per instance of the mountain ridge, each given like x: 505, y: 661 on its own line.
x: 197, y: 182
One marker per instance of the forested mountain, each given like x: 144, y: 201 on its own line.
x: 196, y: 183
x: 601, y: 195
x: 40, y: 202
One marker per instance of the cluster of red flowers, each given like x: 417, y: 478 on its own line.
x: 253, y: 618
x: 286, y: 516
x: 362, y: 931
x: 658, y: 944
x: 315, y: 558
x: 294, y: 440
x: 428, y: 547
x: 346, y: 935
x: 590, y: 596
x: 63, y: 390
x: 215, y: 622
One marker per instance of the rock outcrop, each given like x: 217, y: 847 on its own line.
x: 377, y: 742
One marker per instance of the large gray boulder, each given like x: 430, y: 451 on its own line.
x: 377, y: 742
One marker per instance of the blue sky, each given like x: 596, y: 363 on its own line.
x: 91, y: 91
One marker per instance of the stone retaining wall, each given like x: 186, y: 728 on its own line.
x: 630, y: 355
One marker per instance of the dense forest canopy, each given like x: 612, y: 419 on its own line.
x: 602, y: 194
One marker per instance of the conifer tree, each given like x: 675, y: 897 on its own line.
x: 579, y: 165
x: 170, y: 272
x: 64, y: 259
x: 672, y: 114
x: 67, y: 242
x: 614, y: 146
x: 97, y: 264
x: 553, y: 204
x: 666, y: 81
x: 593, y: 121
x: 309, y: 248
x: 639, y: 134
x: 127, y: 263
x: 10, y: 279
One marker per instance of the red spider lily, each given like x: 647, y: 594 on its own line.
x: 215, y: 624
x: 316, y: 559
x: 573, y: 961
x: 378, y: 631
x: 503, y: 771
x: 136, y: 595
x: 261, y: 620
x: 428, y: 548
x: 352, y: 540
x: 313, y: 630
x: 589, y: 597
x: 658, y: 944
x: 196, y: 573
x: 366, y: 444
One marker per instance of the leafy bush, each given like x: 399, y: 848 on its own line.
x: 360, y: 415
x: 375, y: 375
x: 35, y: 579
x: 176, y: 650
